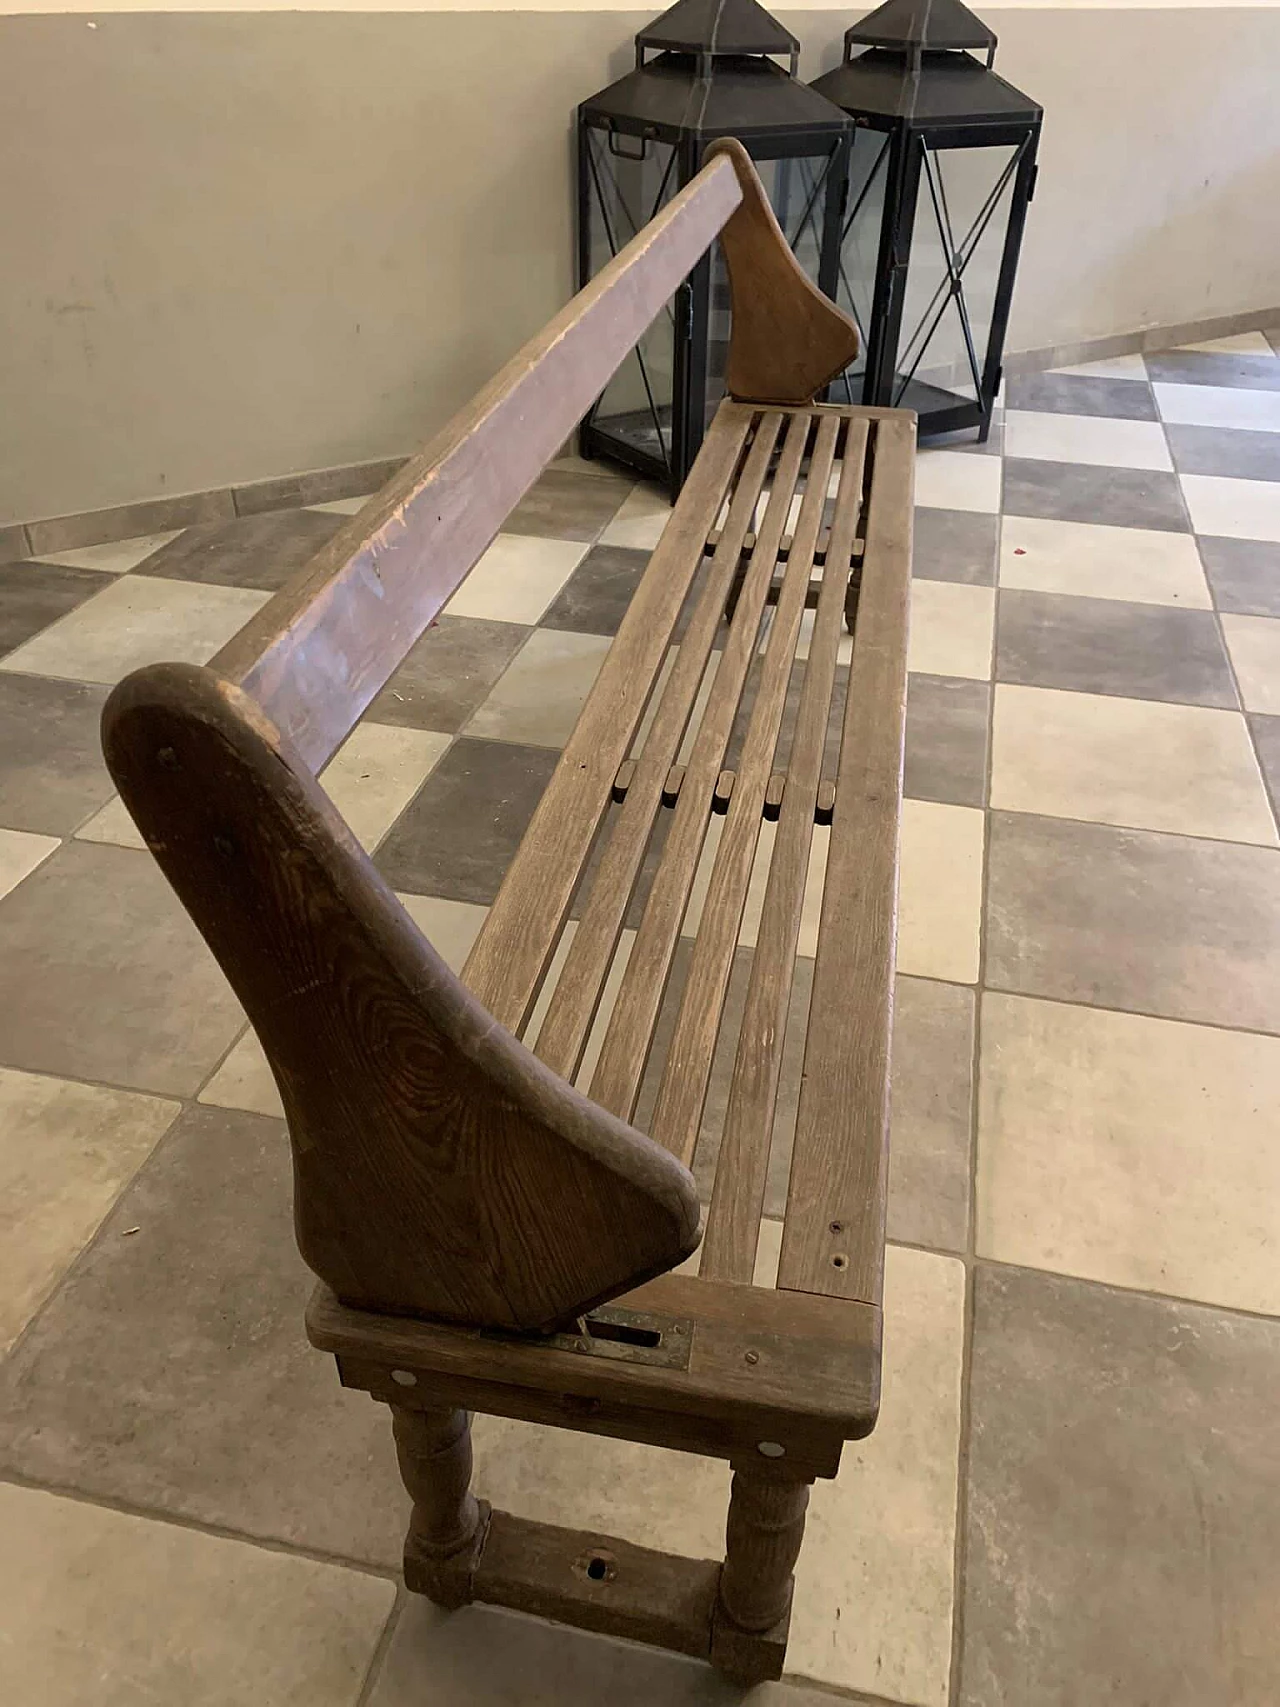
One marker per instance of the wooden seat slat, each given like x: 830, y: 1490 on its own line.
x: 517, y: 940
x: 616, y: 1081
x: 833, y: 1234
x: 573, y: 1005
x: 678, y: 1113
x: 733, y: 1220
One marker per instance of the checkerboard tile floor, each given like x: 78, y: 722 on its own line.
x: 1074, y: 1492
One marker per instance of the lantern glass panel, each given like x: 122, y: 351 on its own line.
x: 860, y: 239
x: 963, y: 202
x: 796, y: 186
x: 629, y: 179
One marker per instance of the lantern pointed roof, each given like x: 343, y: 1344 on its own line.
x: 922, y: 25
x: 715, y: 27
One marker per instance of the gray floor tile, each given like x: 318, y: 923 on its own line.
x: 931, y: 1114
x: 51, y: 772
x: 595, y: 598
x: 1214, y: 367
x: 1243, y: 573
x: 1134, y: 919
x: 448, y: 673
x: 457, y: 837
x: 1266, y: 735
x: 568, y: 505
x: 260, y: 551
x: 103, y: 976
x: 482, y: 1657
x: 1124, y: 1498
x: 1231, y: 451
x: 947, y: 722
x: 171, y: 1370
x: 1076, y: 492
x: 32, y: 595
x: 1077, y: 394
x: 955, y: 545
x: 1106, y: 646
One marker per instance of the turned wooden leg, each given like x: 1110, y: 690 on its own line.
x: 447, y: 1527
x: 762, y: 1542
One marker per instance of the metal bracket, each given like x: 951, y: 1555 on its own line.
x: 630, y: 1336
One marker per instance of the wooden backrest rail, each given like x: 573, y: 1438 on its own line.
x: 442, y: 1169
x: 317, y: 653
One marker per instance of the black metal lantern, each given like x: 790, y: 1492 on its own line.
x: 703, y: 70
x: 941, y: 170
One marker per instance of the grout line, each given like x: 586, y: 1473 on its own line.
x: 382, y: 1647
x: 199, y: 1526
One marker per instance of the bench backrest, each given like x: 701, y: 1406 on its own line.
x: 440, y: 1168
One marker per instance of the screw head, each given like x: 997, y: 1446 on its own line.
x: 751, y: 1357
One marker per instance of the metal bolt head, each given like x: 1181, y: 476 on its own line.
x: 404, y: 1378
x: 771, y: 1449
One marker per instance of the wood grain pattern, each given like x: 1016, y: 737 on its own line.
x: 439, y: 1168
x: 433, y: 1448
x: 316, y: 654
x: 762, y: 1543
x: 678, y: 1114
x: 573, y: 1006
x: 516, y: 941
x: 733, y: 1221
x: 787, y: 340
x: 833, y: 1235
x: 626, y: 1044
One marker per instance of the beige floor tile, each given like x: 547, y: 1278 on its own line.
x: 1254, y: 645
x: 136, y: 620
x: 112, y: 824
x: 21, y: 851
x: 537, y: 699
x: 1098, y: 440
x: 638, y: 525
x: 117, y: 557
x: 376, y: 773
x: 1238, y: 343
x: 340, y: 506
x: 119, y: 1611
x: 1135, y: 1151
x: 1234, y: 509
x: 1219, y: 406
x: 874, y: 1584
x: 940, y: 891
x: 517, y: 578
x: 451, y: 927
x: 1140, y: 764
x: 244, y: 1080
x: 952, y: 629
x: 1138, y: 564
x: 1108, y: 367
x: 957, y: 480
x: 66, y: 1152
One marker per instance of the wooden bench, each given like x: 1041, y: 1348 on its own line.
x: 488, y: 1235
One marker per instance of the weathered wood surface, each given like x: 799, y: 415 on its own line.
x: 729, y: 1241
x: 833, y: 1237
x: 789, y: 340
x: 439, y: 1167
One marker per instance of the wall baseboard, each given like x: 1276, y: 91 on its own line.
x: 52, y: 534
